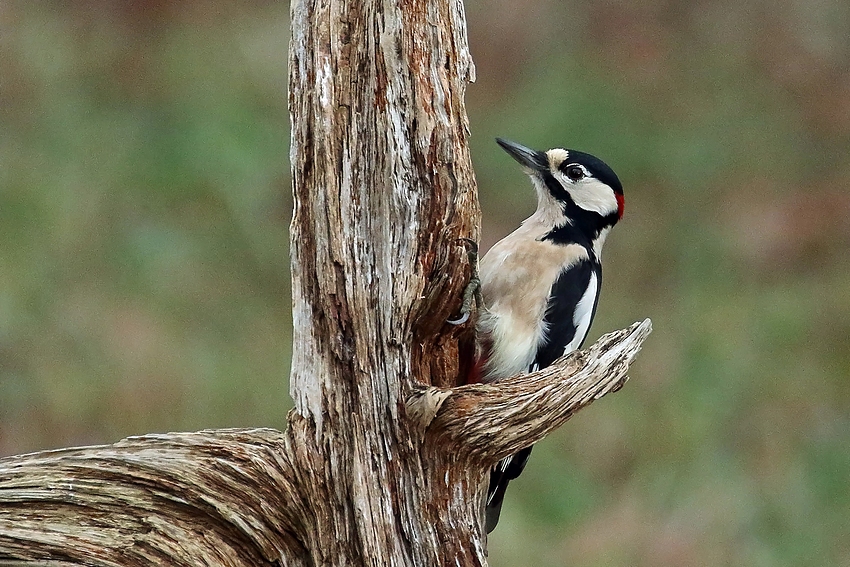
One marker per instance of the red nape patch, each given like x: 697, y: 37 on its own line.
x: 620, y: 204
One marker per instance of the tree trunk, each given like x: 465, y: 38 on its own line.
x: 386, y: 455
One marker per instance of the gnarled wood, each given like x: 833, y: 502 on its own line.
x: 385, y: 195
x: 385, y: 458
x: 222, y: 497
x: 494, y: 421
x: 257, y: 497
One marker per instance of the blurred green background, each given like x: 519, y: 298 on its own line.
x: 144, y: 204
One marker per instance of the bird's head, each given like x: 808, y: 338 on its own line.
x: 575, y: 185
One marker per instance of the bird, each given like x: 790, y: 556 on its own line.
x: 540, y: 284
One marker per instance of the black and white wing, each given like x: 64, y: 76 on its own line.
x: 569, y: 313
x: 572, y: 305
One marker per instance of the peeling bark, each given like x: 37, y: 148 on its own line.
x: 386, y: 454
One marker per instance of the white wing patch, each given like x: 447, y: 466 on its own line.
x: 584, y: 313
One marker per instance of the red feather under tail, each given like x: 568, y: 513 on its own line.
x: 474, y: 374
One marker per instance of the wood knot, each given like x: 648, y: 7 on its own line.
x: 422, y: 405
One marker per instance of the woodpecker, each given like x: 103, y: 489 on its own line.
x: 540, y: 284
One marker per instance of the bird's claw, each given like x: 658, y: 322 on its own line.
x: 472, y: 292
x: 463, y: 318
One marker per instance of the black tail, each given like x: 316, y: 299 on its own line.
x: 505, y: 471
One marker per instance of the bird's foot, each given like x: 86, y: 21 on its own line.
x: 472, y: 291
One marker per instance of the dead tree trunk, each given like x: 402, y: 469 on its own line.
x: 385, y: 458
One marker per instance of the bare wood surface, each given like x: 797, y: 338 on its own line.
x: 237, y: 497
x: 494, y: 421
x: 384, y: 194
x: 385, y: 458
x: 214, y: 497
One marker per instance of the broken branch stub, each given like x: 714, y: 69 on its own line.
x: 493, y: 421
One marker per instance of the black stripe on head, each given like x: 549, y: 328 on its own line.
x: 597, y: 168
x: 555, y: 188
x: 584, y: 225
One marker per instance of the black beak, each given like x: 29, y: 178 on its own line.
x: 527, y: 157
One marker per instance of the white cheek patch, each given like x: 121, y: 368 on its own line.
x: 590, y: 194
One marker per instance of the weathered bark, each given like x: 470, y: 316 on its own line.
x: 224, y: 497
x: 262, y: 497
x: 493, y: 421
x: 385, y: 458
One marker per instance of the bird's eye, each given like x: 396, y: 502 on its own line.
x: 575, y: 173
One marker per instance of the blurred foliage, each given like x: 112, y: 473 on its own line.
x: 143, y: 211
x: 143, y: 258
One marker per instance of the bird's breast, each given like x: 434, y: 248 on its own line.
x: 516, y: 279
